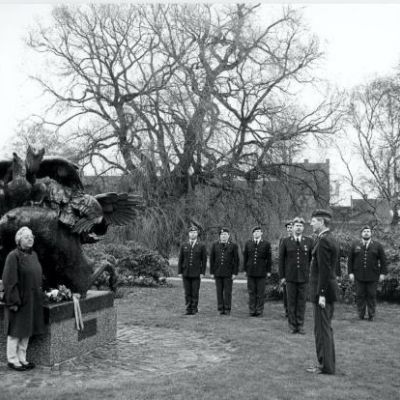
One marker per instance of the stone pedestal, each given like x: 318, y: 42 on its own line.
x: 62, y: 341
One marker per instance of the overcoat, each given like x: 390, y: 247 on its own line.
x: 324, y: 267
x: 192, y: 260
x: 22, y: 280
x: 257, y: 259
x: 224, y: 259
x: 367, y: 263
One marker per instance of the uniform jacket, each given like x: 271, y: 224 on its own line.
x: 257, y: 259
x: 367, y: 263
x: 294, y: 259
x: 324, y: 265
x: 22, y: 279
x: 224, y: 259
x: 192, y: 260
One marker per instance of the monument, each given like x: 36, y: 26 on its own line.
x: 47, y: 195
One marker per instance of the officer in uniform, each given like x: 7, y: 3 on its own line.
x: 257, y: 265
x: 224, y: 264
x: 289, y: 229
x: 191, y: 266
x: 367, y: 265
x: 323, y: 290
x: 294, y: 269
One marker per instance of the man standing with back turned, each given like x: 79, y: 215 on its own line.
x: 323, y: 289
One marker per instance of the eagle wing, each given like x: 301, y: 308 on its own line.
x: 120, y: 208
x: 61, y: 170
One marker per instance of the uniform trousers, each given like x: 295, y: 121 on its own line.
x: 366, y: 297
x: 192, y: 288
x: 296, y: 299
x: 16, y: 350
x: 224, y: 293
x: 324, y: 343
x: 285, y: 305
x: 256, y: 289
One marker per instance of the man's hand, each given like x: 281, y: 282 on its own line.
x: 351, y: 277
x: 234, y: 277
x: 322, y: 301
x: 381, y: 277
x: 179, y: 275
x: 268, y: 274
x: 201, y: 275
x: 283, y: 281
x: 13, y: 308
x: 212, y: 276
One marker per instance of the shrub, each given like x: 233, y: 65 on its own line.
x: 274, y: 290
x: 133, y: 264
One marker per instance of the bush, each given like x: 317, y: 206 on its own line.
x: 273, y: 290
x: 133, y: 264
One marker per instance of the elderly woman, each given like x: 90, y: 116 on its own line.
x: 23, y: 297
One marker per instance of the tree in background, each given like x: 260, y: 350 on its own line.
x: 182, y: 97
x: 374, y: 113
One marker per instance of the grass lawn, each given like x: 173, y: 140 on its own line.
x: 263, y: 360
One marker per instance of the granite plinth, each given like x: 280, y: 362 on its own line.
x: 62, y: 341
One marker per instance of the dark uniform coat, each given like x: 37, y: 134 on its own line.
x: 192, y: 260
x: 294, y: 259
x: 367, y: 263
x: 224, y: 260
x: 22, y: 279
x: 257, y: 260
x: 324, y: 266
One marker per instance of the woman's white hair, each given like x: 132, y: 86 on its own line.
x: 22, y: 231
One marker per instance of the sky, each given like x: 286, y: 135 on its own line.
x: 360, y: 42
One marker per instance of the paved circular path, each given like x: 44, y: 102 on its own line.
x: 138, y: 352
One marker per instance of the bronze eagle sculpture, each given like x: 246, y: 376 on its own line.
x: 47, y: 194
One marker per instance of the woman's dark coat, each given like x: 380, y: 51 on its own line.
x: 22, y: 280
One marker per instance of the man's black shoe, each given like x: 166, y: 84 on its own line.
x: 29, y: 365
x: 16, y: 367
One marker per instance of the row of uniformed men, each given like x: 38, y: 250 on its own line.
x: 366, y: 265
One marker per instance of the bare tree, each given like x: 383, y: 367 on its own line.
x: 374, y: 113
x: 182, y: 97
x: 182, y: 92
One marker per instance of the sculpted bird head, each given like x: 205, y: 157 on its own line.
x: 18, y: 166
x: 34, y: 157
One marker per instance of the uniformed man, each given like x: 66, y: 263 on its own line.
x: 224, y: 266
x: 191, y: 266
x: 323, y: 289
x: 294, y: 269
x: 289, y: 229
x: 366, y: 265
x: 257, y: 265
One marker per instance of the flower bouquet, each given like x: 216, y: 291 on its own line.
x: 62, y: 293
